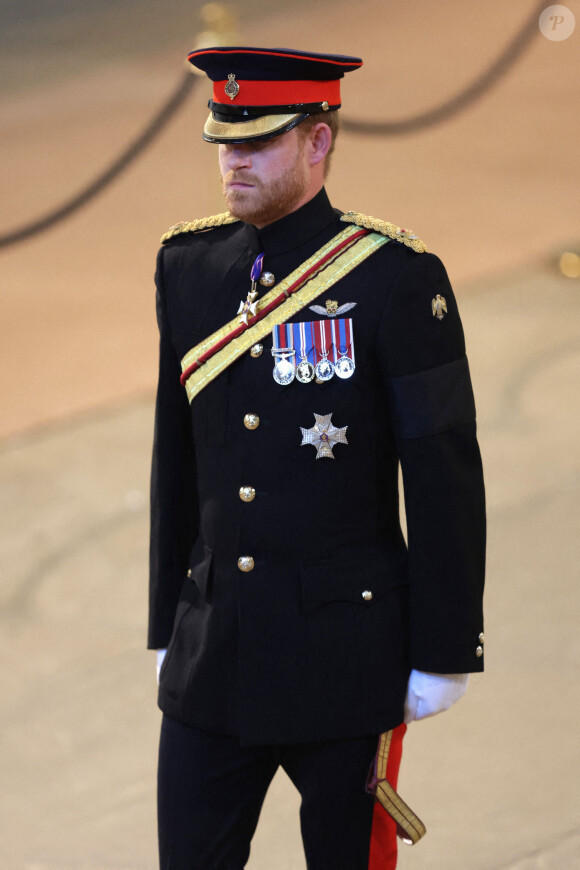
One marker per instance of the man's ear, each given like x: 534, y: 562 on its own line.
x: 320, y: 140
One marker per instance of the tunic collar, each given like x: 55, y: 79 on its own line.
x: 294, y: 229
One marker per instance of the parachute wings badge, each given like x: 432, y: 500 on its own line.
x: 333, y: 309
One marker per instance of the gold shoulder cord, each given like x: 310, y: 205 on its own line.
x: 207, y: 223
x: 407, y: 237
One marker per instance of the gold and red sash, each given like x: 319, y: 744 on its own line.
x: 329, y: 264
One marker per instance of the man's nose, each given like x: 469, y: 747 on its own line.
x: 238, y: 156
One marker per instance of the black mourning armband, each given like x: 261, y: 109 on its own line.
x: 432, y: 401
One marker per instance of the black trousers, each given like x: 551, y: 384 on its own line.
x: 211, y: 791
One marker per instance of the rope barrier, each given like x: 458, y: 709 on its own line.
x: 105, y: 178
x: 443, y: 112
x: 464, y: 98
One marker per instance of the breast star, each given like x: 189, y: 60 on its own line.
x: 323, y: 436
x: 248, y: 308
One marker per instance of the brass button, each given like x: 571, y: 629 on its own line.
x: 247, y: 493
x: 189, y: 572
x: 246, y: 563
x: 367, y: 595
x: 481, y: 637
x: 267, y: 279
x: 251, y: 421
x: 256, y: 350
x: 479, y: 652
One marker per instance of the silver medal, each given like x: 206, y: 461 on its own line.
x: 285, y: 370
x: 305, y: 372
x: 324, y: 370
x: 344, y: 367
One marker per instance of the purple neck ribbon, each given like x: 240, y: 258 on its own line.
x: 257, y: 267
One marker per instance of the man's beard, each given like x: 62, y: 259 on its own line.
x: 265, y: 203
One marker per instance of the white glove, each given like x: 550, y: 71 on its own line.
x: 160, y: 657
x: 428, y: 694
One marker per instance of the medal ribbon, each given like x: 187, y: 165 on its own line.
x: 327, y: 331
x: 282, y: 337
x: 345, y: 343
x: 322, y: 344
x: 313, y: 343
x: 333, y: 338
x: 256, y: 269
x: 302, y: 333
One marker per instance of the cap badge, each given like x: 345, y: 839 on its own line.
x: 439, y: 307
x: 232, y: 88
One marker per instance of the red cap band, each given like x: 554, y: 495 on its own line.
x: 278, y: 93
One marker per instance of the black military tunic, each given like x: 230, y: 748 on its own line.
x: 296, y: 649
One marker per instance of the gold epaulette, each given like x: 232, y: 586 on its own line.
x: 407, y: 237
x: 207, y: 223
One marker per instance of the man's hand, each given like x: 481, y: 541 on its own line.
x: 428, y: 694
x: 160, y: 657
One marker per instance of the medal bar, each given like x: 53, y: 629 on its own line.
x: 313, y: 349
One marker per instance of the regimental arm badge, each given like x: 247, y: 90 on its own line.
x: 439, y: 307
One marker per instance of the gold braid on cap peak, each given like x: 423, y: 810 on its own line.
x: 407, y: 237
x: 207, y: 223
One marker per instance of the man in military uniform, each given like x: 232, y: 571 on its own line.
x: 305, y: 353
